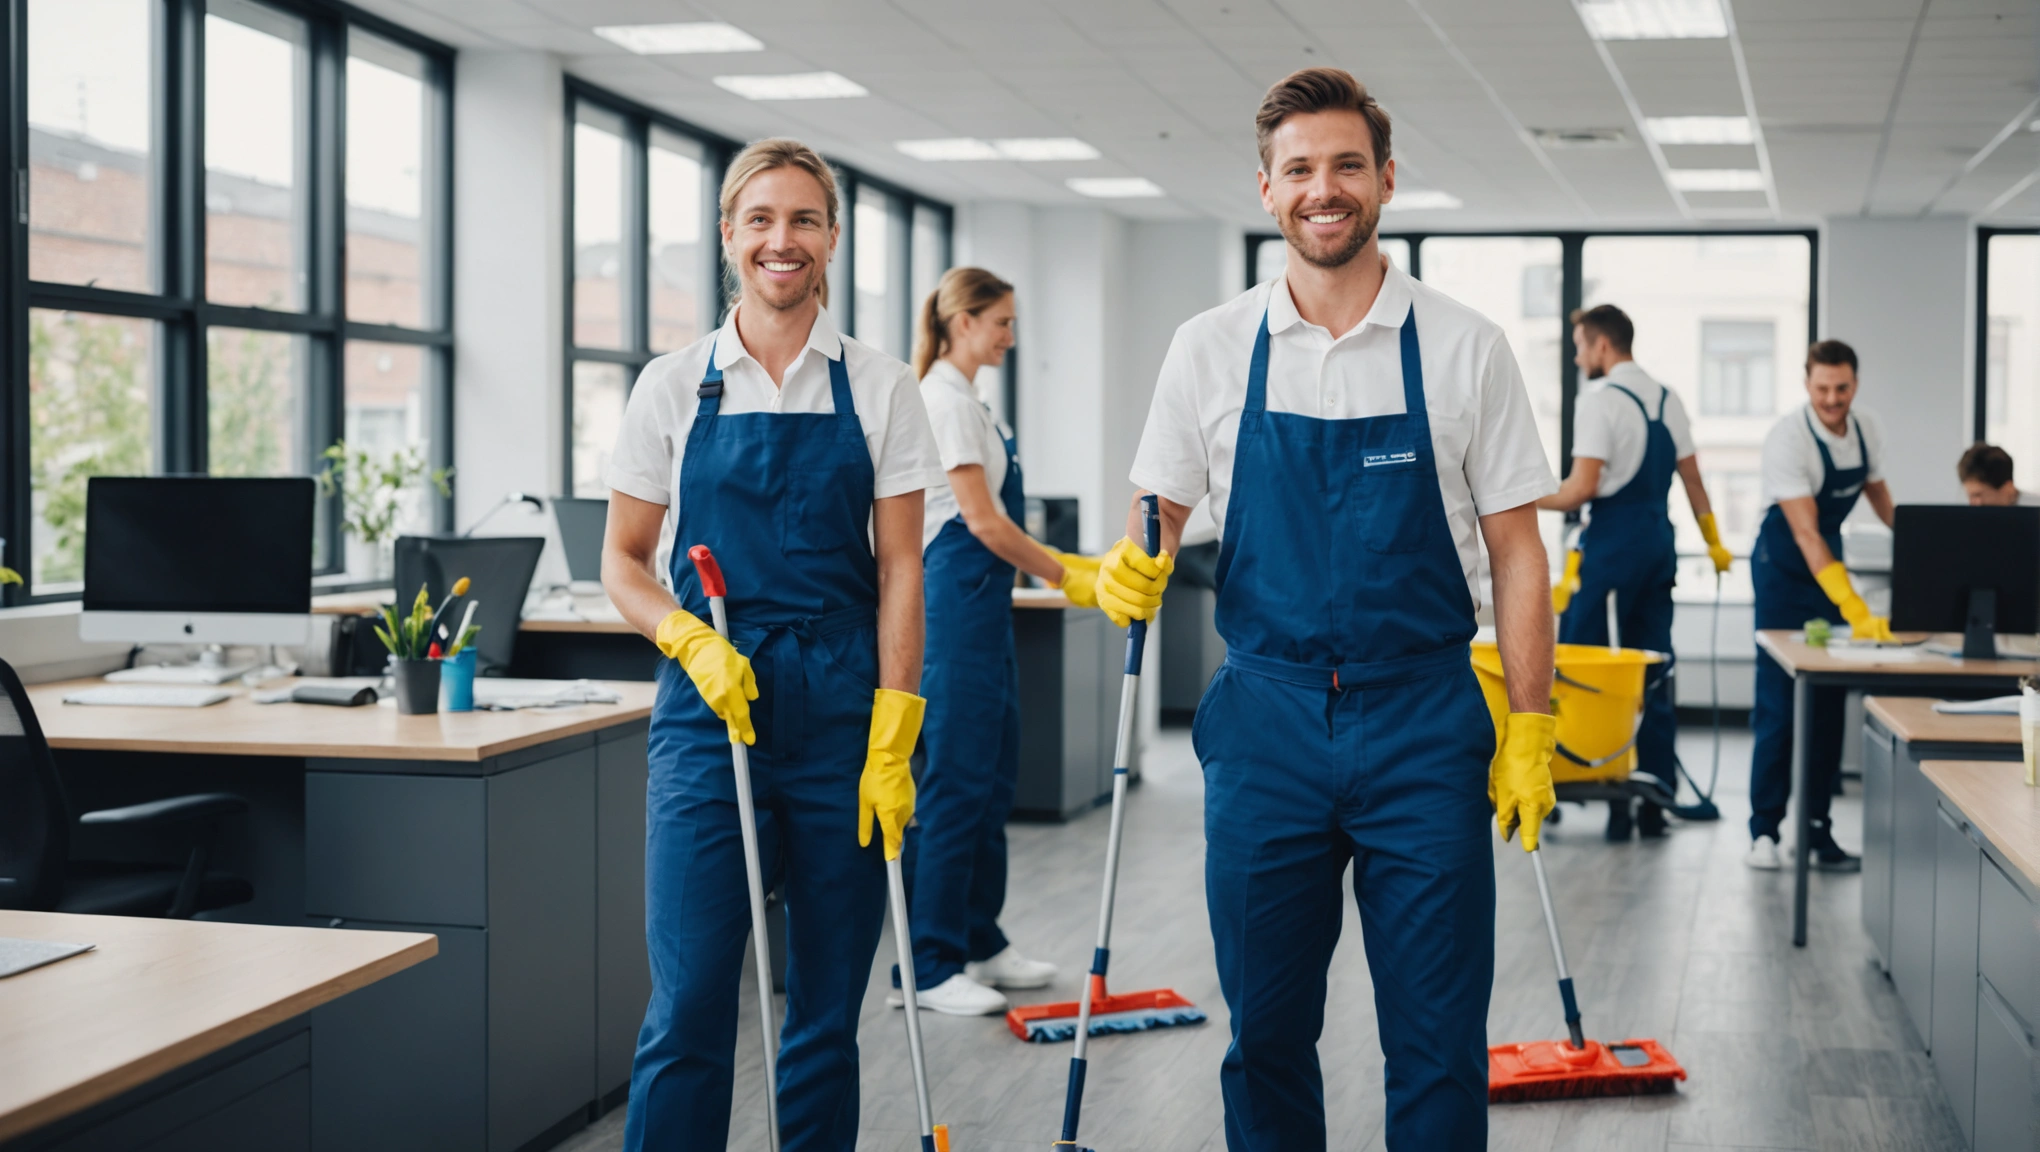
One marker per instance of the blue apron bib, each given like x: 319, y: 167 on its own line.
x: 1628, y: 549
x: 1346, y: 725
x: 1787, y: 597
x: 956, y: 851
x: 784, y: 501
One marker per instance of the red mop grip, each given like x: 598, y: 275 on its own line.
x: 709, y: 571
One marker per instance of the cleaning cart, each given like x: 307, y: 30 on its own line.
x: 1597, y: 696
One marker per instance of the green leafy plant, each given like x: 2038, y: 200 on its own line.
x: 408, y: 637
x: 373, y: 489
x: 89, y: 415
x: 10, y: 576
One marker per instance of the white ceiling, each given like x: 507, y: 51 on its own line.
x: 1886, y: 107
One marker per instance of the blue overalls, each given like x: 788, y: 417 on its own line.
x: 956, y: 852
x: 1346, y: 725
x: 784, y: 500
x: 1627, y: 549
x: 1787, y: 597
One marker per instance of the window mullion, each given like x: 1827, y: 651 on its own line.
x: 1571, y: 296
x: 636, y: 266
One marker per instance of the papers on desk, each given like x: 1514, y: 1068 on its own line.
x: 17, y: 955
x: 1875, y: 654
x: 1995, y: 706
x: 500, y: 694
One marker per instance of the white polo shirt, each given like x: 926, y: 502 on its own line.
x: 653, y: 439
x: 966, y: 432
x: 1483, y: 432
x: 1608, y: 426
x: 1792, y: 467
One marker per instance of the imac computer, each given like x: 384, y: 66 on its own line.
x: 198, y: 560
x: 582, y: 524
x: 1970, y: 570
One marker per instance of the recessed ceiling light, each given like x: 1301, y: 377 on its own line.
x: 681, y: 39
x: 1717, y: 179
x: 954, y: 148
x: 1422, y: 200
x: 1581, y: 137
x: 1113, y: 187
x: 1045, y: 148
x: 1700, y: 129
x: 1653, y: 19
x: 792, y: 86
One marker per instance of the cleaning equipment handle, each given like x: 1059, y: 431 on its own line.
x: 1150, y: 543
x: 903, y: 936
x: 747, y: 818
x: 1565, y: 988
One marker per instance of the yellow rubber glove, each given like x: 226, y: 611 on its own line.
x: 886, y: 790
x: 1834, y: 580
x: 1568, y: 584
x: 1519, y: 780
x: 720, y: 673
x: 1080, y: 578
x: 1721, y: 556
x: 1130, y: 582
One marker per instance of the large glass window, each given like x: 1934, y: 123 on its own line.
x: 2009, y: 360
x: 1513, y: 281
x: 679, y: 263
x: 255, y: 403
x: 91, y: 412
x: 389, y: 180
x: 600, y: 391
x: 881, y: 289
x: 257, y: 120
x: 92, y: 149
x: 601, y: 186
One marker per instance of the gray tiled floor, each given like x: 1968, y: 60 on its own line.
x: 1676, y: 940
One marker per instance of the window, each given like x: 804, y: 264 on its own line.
x: 881, y: 311
x: 184, y: 310
x: 680, y: 263
x: 1495, y: 276
x: 601, y: 183
x: 1738, y: 366
x: 2008, y: 361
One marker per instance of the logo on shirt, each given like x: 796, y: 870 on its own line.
x: 1392, y: 456
x: 1844, y: 493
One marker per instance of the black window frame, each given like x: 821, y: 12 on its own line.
x: 180, y: 308
x: 1980, y: 416
x: 718, y: 150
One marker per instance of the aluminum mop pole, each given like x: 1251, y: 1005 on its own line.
x: 740, y: 760
x: 903, y: 936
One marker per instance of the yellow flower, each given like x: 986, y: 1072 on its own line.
x: 460, y: 586
x: 9, y: 576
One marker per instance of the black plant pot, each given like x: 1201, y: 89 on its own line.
x: 417, y: 687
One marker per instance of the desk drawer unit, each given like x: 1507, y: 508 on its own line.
x: 1957, y: 879
x: 1915, y: 801
x: 2008, y: 946
x: 1879, y: 812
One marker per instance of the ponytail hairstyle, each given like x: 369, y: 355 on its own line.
x: 764, y: 156
x: 969, y: 290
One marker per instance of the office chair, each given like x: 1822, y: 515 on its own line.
x: 35, y: 836
x: 499, y: 570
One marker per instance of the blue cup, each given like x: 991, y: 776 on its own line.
x: 457, y: 682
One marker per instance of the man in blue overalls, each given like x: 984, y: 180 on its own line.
x: 1630, y: 436
x: 1817, y: 460
x: 1355, y: 466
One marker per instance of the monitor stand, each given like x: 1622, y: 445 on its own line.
x: 211, y: 668
x: 1979, y: 631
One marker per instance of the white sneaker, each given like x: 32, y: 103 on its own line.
x: 1009, y: 969
x: 957, y: 996
x: 1763, y: 855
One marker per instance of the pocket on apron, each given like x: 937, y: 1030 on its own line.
x: 1395, y: 516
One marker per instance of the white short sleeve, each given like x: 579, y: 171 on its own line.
x: 1173, y: 460
x: 906, y: 459
x: 958, y: 430
x: 1791, y: 462
x: 642, y: 463
x: 1505, y: 462
x: 1593, y: 434
x: 1681, y: 428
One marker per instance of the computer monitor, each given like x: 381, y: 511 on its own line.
x: 582, y: 523
x: 1970, y: 570
x: 499, y: 570
x: 198, y: 560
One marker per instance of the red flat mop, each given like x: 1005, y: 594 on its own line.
x: 1098, y: 1012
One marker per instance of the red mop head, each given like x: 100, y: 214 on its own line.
x: 1555, y: 1070
x: 1125, y: 1012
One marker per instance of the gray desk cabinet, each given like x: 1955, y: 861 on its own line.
x: 1912, y: 892
x: 2004, y: 1078
x: 251, y: 1096
x: 623, y: 974
x: 1070, y: 662
x: 1957, y: 887
x: 1879, y: 822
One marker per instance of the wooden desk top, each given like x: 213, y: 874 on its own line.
x: 1994, y: 796
x: 1791, y: 651
x: 241, y: 727
x: 1913, y: 719
x: 158, y: 994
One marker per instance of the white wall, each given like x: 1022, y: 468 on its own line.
x: 1902, y: 293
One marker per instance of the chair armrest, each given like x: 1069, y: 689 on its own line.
x: 170, y: 810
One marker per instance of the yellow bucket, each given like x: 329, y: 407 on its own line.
x: 1597, y: 697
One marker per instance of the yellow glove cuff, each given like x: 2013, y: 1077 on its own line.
x: 679, y: 633
x: 896, y: 721
x: 1708, y: 530
x: 1834, y: 580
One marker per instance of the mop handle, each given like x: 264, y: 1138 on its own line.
x: 713, y: 587
x: 896, y: 891
x: 1122, y: 760
x: 1565, y: 988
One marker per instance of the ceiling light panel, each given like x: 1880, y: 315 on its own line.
x: 1038, y: 148
x: 793, y: 86
x: 1653, y: 19
x: 681, y: 39
x: 1717, y: 179
x: 1422, y: 200
x: 953, y: 148
x: 1700, y: 129
x: 1113, y: 187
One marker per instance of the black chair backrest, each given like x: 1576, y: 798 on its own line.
x: 35, y: 822
x: 499, y: 569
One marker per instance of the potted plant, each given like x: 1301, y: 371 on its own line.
x: 412, y: 640
x: 373, y: 491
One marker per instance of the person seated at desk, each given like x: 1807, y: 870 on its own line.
x: 1986, y: 474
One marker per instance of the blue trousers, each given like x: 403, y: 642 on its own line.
x: 1787, y: 601
x: 1643, y: 611
x: 1299, y: 782
x: 698, y: 912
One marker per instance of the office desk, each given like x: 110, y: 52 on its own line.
x: 1915, y: 672
x: 517, y: 838
x: 1900, y: 733
x: 589, y: 641
x: 133, y: 1023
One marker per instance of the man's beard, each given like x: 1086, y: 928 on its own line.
x: 1596, y: 373
x: 784, y: 297
x: 1311, y: 249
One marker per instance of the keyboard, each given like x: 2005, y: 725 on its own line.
x: 178, y: 674
x: 148, y: 696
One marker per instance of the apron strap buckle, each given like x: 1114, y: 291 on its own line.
x: 709, y: 389
x: 1346, y: 672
